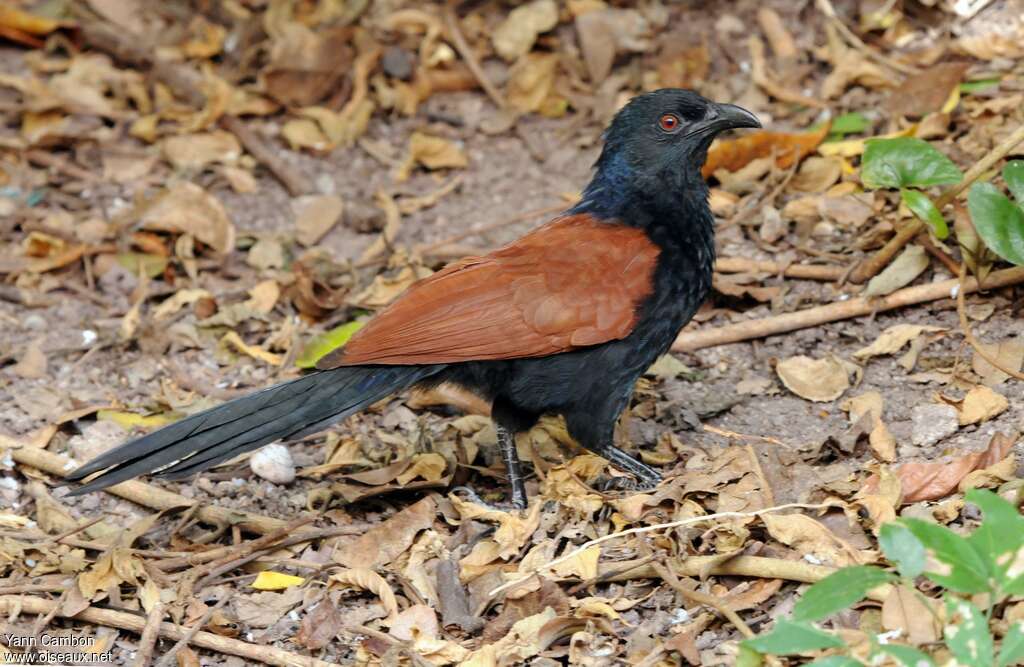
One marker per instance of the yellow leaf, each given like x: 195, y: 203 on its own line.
x: 131, y: 419
x: 232, y: 339
x: 275, y: 581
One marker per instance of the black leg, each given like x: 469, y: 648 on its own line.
x: 507, y: 445
x: 597, y: 435
x: 647, y: 476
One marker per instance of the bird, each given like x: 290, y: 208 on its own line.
x: 562, y: 321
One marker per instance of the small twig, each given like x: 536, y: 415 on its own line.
x: 870, y: 267
x: 725, y: 433
x: 192, y: 631
x: 826, y: 7
x: 266, y: 155
x: 766, y: 488
x: 243, y: 553
x: 646, y: 529
x: 71, y: 531
x: 961, y: 310
x: 702, y: 598
x: 148, y: 495
x: 150, y: 633
x: 253, y: 653
x: 688, y: 341
x: 925, y: 241
x: 451, y: 24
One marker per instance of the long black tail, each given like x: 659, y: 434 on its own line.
x: 287, y: 410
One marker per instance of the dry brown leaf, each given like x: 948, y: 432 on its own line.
x: 910, y: 263
x: 32, y: 363
x: 926, y: 91
x: 315, y: 215
x: 516, y: 35
x: 388, y: 540
x: 1010, y: 355
x: 385, y: 288
x: 992, y: 476
x: 817, y: 174
x: 814, y: 539
x: 814, y: 379
x: 320, y: 626
x: 368, y: 580
x: 916, y: 617
x: 932, y: 480
x: 232, y: 339
x: 436, y: 152
x: 734, y: 154
x: 893, y: 339
x: 306, y: 65
x: 186, y: 208
x: 883, y: 444
x: 981, y: 404
x: 531, y: 81
x: 195, y: 151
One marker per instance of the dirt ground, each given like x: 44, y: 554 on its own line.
x: 728, y: 396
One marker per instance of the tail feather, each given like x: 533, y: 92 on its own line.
x: 287, y: 410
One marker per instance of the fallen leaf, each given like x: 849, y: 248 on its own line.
x: 326, y: 342
x: 516, y: 35
x: 370, y: 581
x: 814, y: 379
x: 910, y: 613
x: 436, y: 152
x: 893, y: 339
x: 195, y: 151
x: 306, y: 65
x: 812, y: 538
x: 263, y: 609
x: 388, y: 540
x: 1010, y: 355
x: 910, y: 263
x: 531, y: 80
x: 981, y: 404
x: 883, y: 444
x: 386, y: 287
x: 232, y: 339
x: 932, y: 480
x: 817, y: 174
x: 315, y: 215
x: 32, y: 363
x: 926, y: 91
x: 733, y: 154
x: 186, y: 208
x: 319, y: 627
x: 268, y: 580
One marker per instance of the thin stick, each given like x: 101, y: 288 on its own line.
x: 646, y: 529
x: 150, y: 633
x: 702, y: 598
x: 451, y: 24
x: 148, y: 495
x: 192, y: 632
x: 118, y: 619
x: 266, y: 155
x: 687, y: 341
x: 961, y: 310
x: 870, y: 267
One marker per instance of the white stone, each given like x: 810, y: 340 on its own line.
x: 274, y: 464
x: 932, y: 423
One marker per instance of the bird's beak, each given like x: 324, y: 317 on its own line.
x: 730, y: 116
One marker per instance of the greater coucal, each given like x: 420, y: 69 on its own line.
x: 562, y: 321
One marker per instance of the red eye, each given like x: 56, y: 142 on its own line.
x: 669, y: 122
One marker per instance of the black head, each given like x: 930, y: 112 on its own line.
x: 659, y: 141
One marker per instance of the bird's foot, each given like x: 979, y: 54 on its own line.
x: 516, y: 503
x: 632, y: 484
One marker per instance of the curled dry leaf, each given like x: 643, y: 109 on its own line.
x: 981, y: 404
x: 311, y: 293
x: 531, y: 81
x: 734, y: 154
x: 516, y: 35
x: 306, y: 66
x: 186, y: 208
x: 1010, y: 355
x: 814, y: 379
x: 909, y: 612
x: 388, y: 540
x: 812, y: 538
x: 368, y: 580
x: 870, y: 405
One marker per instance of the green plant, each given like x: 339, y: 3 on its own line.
x: 909, y: 164
x: 999, y: 220
x: 987, y: 564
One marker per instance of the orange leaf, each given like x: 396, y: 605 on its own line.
x: 734, y: 154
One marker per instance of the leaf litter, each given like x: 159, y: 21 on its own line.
x: 210, y: 215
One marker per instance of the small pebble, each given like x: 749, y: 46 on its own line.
x: 398, y: 62
x: 274, y: 464
x: 932, y: 423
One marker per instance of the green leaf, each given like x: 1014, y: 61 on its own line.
x: 789, y: 638
x: 848, y: 123
x: 1012, y: 651
x: 921, y: 205
x: 1013, y: 174
x: 1014, y: 587
x: 836, y: 661
x: 906, y: 162
x: 975, y: 86
x: 907, y: 656
x: 748, y: 657
x: 902, y: 548
x: 969, y: 571
x: 969, y: 639
x: 326, y: 342
x: 999, y: 222
x: 1001, y: 532
x: 838, y: 591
